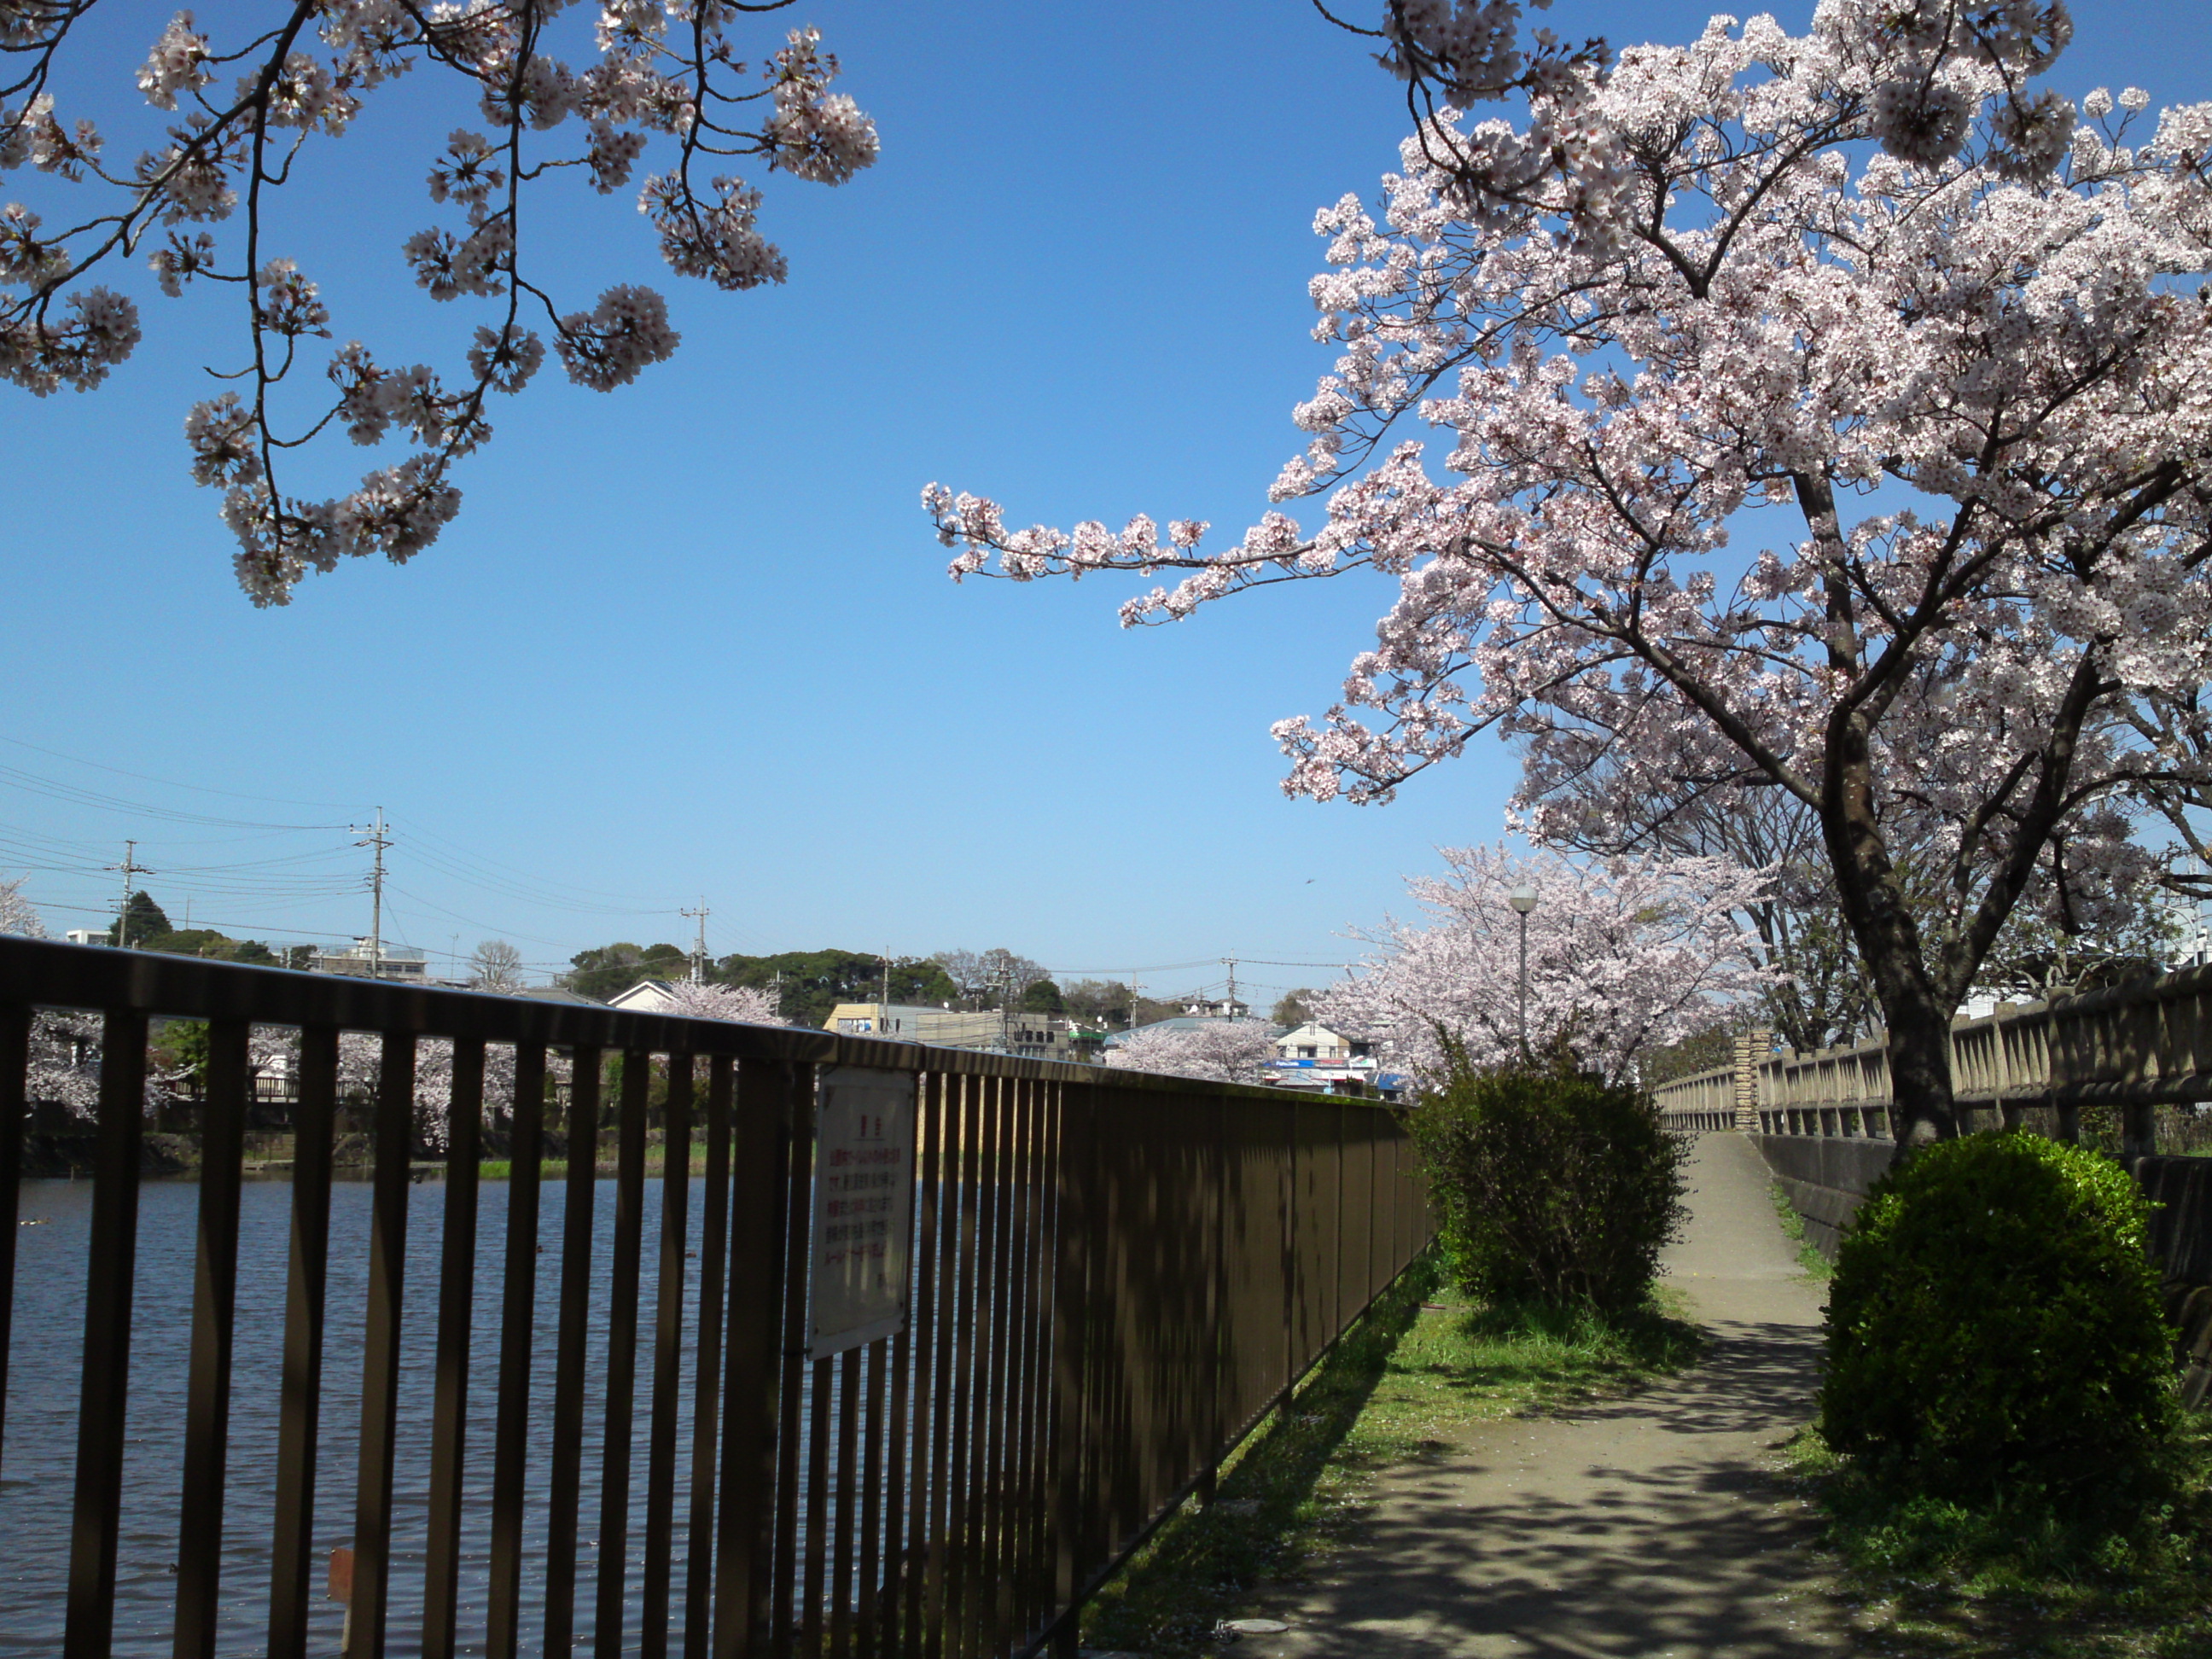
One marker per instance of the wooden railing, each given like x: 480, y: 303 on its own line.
x: 1088, y: 1285
x: 2135, y: 1047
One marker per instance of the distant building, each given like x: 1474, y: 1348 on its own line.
x: 1034, y: 1036
x: 648, y: 996
x: 1311, y: 1056
x: 86, y: 936
x: 394, y: 962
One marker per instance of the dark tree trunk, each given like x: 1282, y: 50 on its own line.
x: 1919, y: 1053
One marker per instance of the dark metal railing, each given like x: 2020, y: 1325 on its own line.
x: 1113, y: 1276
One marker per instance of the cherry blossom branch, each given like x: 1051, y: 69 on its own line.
x: 637, y: 90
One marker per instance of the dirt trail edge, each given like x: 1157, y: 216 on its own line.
x: 1647, y: 1526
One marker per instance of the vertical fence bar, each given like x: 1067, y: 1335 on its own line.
x: 872, y: 1504
x: 815, y: 1522
x: 215, y: 1307
x: 745, y: 1550
x: 1020, y: 1502
x: 667, y: 1359
x: 960, y: 1470
x: 713, y: 1253
x: 1071, y: 1356
x: 947, y: 1446
x: 841, y: 1573
x: 987, y: 1515
x: 790, y: 1397
x: 1021, y: 1549
x: 379, y: 1380
x: 14, y: 1074
x: 612, y: 1582
x: 301, y: 1402
x: 517, y: 1320
x: 570, y: 1348
x: 919, y: 1434
x: 104, y: 1398
x: 457, y: 1281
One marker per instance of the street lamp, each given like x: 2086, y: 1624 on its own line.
x: 1523, y: 900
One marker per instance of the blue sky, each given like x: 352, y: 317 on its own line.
x: 694, y: 637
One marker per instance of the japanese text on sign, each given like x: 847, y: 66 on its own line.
x: 863, y: 1206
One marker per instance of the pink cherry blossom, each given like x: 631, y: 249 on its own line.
x: 1219, y: 1050
x: 1625, y: 956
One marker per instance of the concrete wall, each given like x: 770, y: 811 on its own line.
x: 1825, y: 1177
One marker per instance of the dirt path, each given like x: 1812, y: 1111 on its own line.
x: 1643, y: 1526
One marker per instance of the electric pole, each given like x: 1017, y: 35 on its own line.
x: 1133, y: 988
x: 886, y: 1002
x: 1229, y: 962
x: 699, y: 951
x: 130, y: 867
x: 376, y: 839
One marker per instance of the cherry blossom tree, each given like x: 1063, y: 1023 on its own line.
x: 1921, y: 334
x: 584, y: 97
x: 1625, y: 956
x: 749, y: 1004
x: 65, y: 1045
x: 1221, y: 1050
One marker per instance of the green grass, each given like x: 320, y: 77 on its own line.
x: 1404, y: 1382
x: 501, y: 1169
x: 1932, y: 1579
x: 1810, y: 1261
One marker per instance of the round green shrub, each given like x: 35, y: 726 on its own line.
x: 1550, y: 1187
x: 1994, y: 1320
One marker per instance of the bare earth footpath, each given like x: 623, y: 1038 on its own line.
x: 1648, y: 1526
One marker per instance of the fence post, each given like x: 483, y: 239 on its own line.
x: 1073, y: 1180
x: 1751, y: 1047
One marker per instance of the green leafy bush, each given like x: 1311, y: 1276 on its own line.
x: 1993, y: 1323
x: 1550, y: 1187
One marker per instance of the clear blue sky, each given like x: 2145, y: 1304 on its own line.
x: 694, y: 637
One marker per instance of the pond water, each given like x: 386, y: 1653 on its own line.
x: 37, y: 1474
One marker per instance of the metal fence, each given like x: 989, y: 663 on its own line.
x: 2135, y: 1048
x: 1113, y: 1276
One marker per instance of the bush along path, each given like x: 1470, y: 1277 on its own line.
x: 1654, y: 1523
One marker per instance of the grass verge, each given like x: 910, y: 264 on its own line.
x: 1810, y: 1261
x: 1931, y: 1579
x: 1400, y: 1383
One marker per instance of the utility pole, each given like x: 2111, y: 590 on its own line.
x: 886, y: 1002
x: 130, y: 867
x: 1229, y: 962
x: 699, y: 951
x: 376, y: 839
x: 1135, y: 987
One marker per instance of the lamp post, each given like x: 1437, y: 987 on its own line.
x: 1523, y: 900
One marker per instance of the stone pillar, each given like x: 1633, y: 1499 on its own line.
x: 1751, y: 1048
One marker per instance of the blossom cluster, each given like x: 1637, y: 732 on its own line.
x: 1218, y: 1050
x: 746, y: 1004
x: 1625, y: 956
x: 651, y: 73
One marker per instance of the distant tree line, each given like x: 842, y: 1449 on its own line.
x: 809, y: 984
x: 150, y: 929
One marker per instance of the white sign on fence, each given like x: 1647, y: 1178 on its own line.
x: 864, y: 1178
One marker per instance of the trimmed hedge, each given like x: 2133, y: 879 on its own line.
x: 1550, y: 1187
x: 1995, y: 1321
